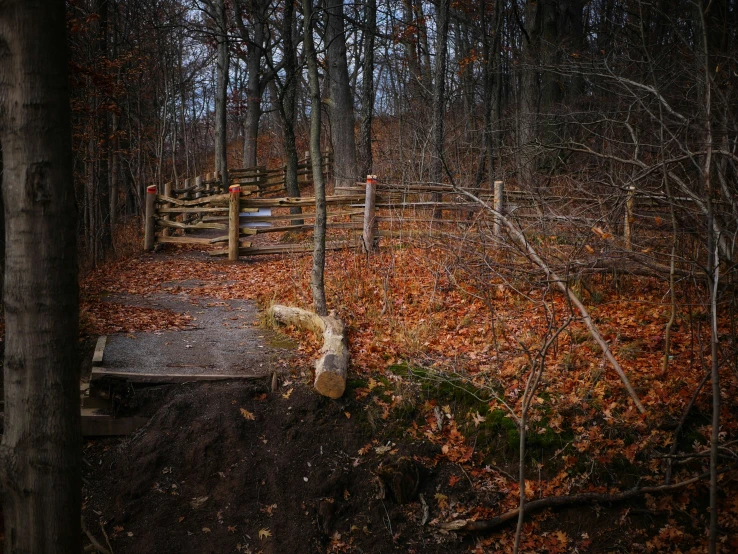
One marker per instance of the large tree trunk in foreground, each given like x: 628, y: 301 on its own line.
x: 345, y: 168
x: 332, y: 366
x: 40, y: 453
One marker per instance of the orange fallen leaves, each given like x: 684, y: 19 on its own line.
x: 401, y: 306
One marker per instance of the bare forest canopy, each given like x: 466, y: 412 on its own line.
x: 613, y: 100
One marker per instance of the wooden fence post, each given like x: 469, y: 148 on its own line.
x: 628, y: 224
x: 168, y: 193
x: 325, y: 165
x: 369, y: 208
x: 234, y: 221
x: 149, y: 218
x: 308, y: 176
x: 499, y: 206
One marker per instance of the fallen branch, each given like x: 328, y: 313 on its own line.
x: 562, y: 501
x: 332, y: 366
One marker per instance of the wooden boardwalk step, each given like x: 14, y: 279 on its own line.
x: 97, y: 357
x: 133, y: 377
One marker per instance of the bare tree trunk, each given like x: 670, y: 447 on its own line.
x: 528, y: 101
x: 415, y: 79
x: 285, y: 84
x: 345, y: 168
x: 104, y: 239
x: 367, y: 88
x: 439, y: 97
x: 492, y: 76
x: 289, y: 110
x: 221, y: 95
x: 40, y: 453
x: 114, y: 174
x: 253, y: 83
x: 114, y: 156
x: 317, y: 283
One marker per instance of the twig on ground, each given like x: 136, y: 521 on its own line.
x: 107, y: 540
x: 100, y: 548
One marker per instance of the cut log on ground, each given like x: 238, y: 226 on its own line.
x: 332, y: 366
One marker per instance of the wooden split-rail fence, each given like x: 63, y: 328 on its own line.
x: 357, y: 216
x: 203, y: 204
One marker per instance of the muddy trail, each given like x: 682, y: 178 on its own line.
x: 233, y: 467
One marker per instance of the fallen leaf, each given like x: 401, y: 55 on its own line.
x: 602, y: 234
x: 477, y: 418
x: 347, y: 414
x: 206, y: 529
x: 231, y: 529
x: 589, y: 249
x: 264, y: 533
x: 247, y: 415
x: 442, y: 500
x: 453, y: 480
x: 287, y: 394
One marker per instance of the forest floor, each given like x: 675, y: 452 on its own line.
x: 422, y: 436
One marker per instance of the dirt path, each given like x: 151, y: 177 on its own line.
x: 222, y: 339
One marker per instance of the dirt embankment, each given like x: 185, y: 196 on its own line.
x: 231, y: 467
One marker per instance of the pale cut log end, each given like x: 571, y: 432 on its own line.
x: 331, y: 385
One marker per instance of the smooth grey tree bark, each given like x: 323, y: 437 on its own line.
x: 345, y: 168
x: 40, y: 453
x: 317, y: 281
